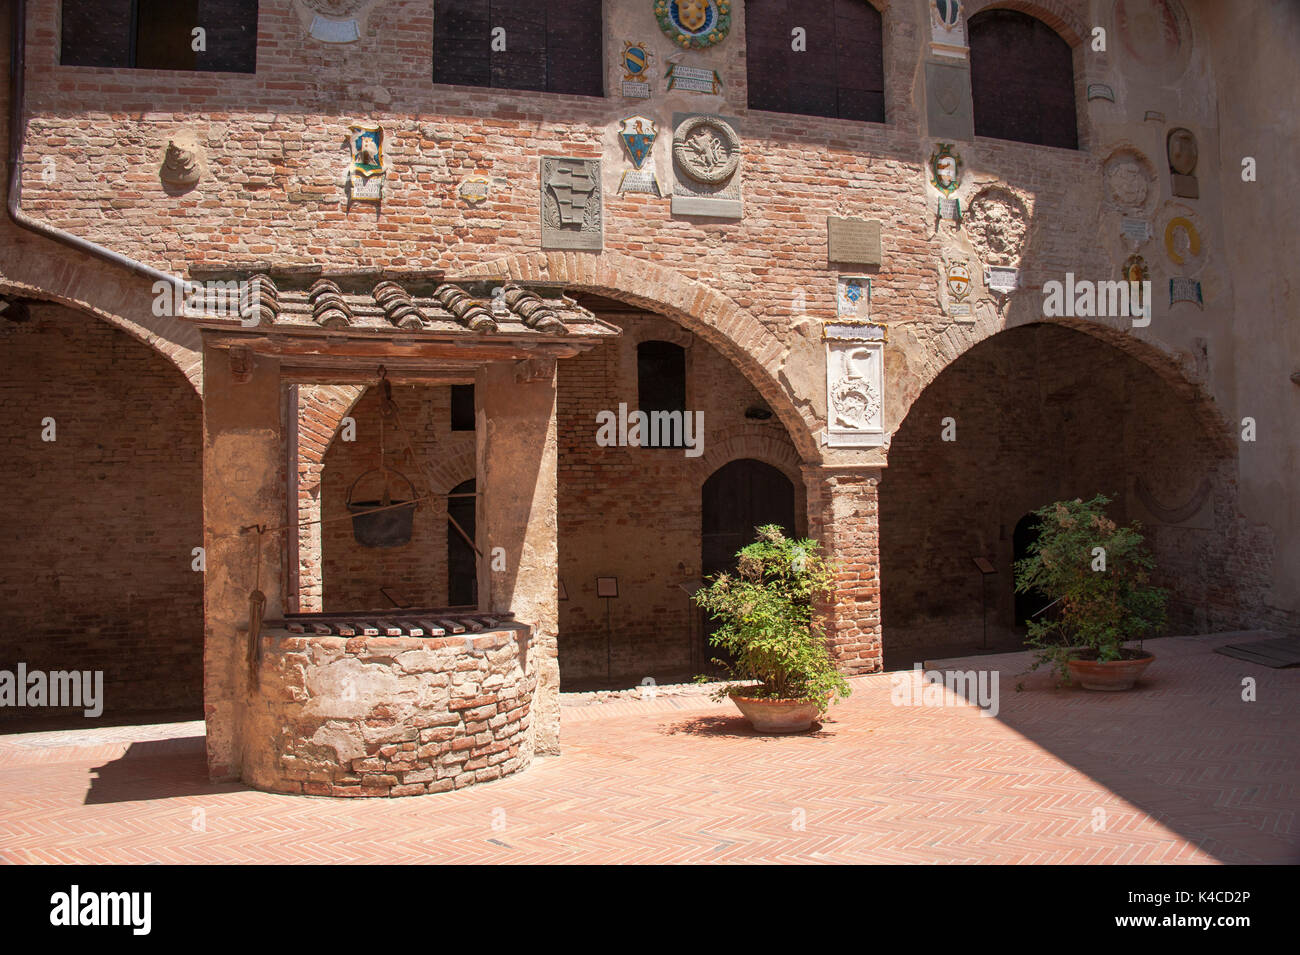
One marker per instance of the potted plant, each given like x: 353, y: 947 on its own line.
x: 772, y: 632
x: 1098, y: 576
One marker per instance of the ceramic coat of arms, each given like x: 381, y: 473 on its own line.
x: 945, y: 169
x: 694, y: 23
x: 638, y: 134
x: 366, y: 177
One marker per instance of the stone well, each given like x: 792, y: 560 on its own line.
x: 388, y: 715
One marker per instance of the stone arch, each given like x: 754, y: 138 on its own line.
x: 742, y: 339
x: 1176, y: 369
x: 109, y: 293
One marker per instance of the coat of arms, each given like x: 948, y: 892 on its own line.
x: 636, y: 60
x: 638, y: 134
x: 366, y: 177
x: 958, y: 281
x: 694, y: 23
x: 945, y: 169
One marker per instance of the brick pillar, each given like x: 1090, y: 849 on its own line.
x: 843, y: 514
x: 243, y: 484
x: 516, y: 511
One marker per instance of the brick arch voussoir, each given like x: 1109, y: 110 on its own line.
x: 110, y: 294
x: 1057, y: 14
x: 715, y: 318
x: 1172, y: 367
x: 756, y: 443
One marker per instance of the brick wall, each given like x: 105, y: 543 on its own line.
x: 99, y: 524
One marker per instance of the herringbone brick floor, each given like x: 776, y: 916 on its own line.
x: 1182, y: 771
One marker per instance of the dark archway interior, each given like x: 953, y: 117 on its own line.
x: 1043, y: 413
x: 462, y: 569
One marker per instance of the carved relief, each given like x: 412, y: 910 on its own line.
x: 706, y: 166
x: 571, y: 203
x: 1129, y: 178
x: 1180, y: 145
x: 854, y: 390
x: 1154, y: 35
x: 998, y: 224
x: 182, y: 162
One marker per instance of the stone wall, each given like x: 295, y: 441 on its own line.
x: 99, y: 524
x: 388, y: 716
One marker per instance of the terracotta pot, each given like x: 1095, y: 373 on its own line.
x: 777, y: 716
x: 1111, y: 675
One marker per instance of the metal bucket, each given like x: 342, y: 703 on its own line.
x: 382, y: 528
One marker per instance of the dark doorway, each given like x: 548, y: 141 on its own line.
x: 736, y: 499
x: 1032, y: 602
x: 462, y: 569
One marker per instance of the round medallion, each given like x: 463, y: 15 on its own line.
x: 694, y: 23
x: 707, y: 149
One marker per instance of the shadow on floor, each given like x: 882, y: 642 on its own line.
x: 1184, y: 746
x: 75, y: 719
x: 156, y: 769
x: 737, y: 727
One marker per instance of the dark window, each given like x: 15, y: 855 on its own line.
x: 462, y: 570
x: 158, y: 34
x: 462, y: 407
x: 842, y: 71
x: 551, y: 45
x: 1022, y: 80
x: 661, y: 386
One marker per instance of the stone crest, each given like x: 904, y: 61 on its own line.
x: 945, y: 169
x: 998, y: 224
x: 706, y: 164
x: 853, y: 297
x: 366, y: 176
x: 946, y: 34
x: 638, y: 134
x: 636, y: 70
x: 571, y: 203
x: 475, y: 189
x: 182, y: 163
x: 855, y: 388
x: 694, y: 23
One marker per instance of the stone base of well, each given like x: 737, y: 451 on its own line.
x: 388, y: 715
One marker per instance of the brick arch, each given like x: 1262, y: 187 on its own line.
x: 110, y: 294
x: 714, y: 317
x: 455, y: 468
x: 1169, y: 365
x: 1057, y: 14
x: 749, y: 442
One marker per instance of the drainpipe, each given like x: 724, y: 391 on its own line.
x: 17, y: 74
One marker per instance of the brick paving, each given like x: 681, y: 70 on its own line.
x: 1181, y: 771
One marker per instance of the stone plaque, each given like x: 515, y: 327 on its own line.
x: 853, y: 241
x: 1001, y: 279
x: 1136, y: 231
x: 570, y: 203
x: 639, y: 180
x: 949, y: 209
x: 634, y: 90
x: 706, y: 166
x: 335, y: 31
x: 855, y: 392
x: 1100, y: 91
x: 948, y: 110
x: 694, y: 79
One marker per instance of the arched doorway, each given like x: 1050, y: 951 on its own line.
x: 462, y: 570
x: 1044, y: 412
x: 736, y: 500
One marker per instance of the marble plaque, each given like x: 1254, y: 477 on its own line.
x: 1100, y: 91
x: 635, y: 90
x: 855, y: 393
x: 1001, y: 279
x: 694, y: 79
x: 853, y: 297
x: 1135, y: 230
x: 1185, y: 290
x: 853, y: 241
x: 639, y: 180
x: 948, y: 111
x: 571, y: 203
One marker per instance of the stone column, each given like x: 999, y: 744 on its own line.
x: 516, y: 512
x: 843, y: 514
x: 243, y: 484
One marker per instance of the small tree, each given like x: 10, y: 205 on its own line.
x: 769, y: 623
x: 1098, y: 577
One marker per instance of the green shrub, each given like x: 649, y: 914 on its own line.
x: 1096, y: 610
x: 769, y: 623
